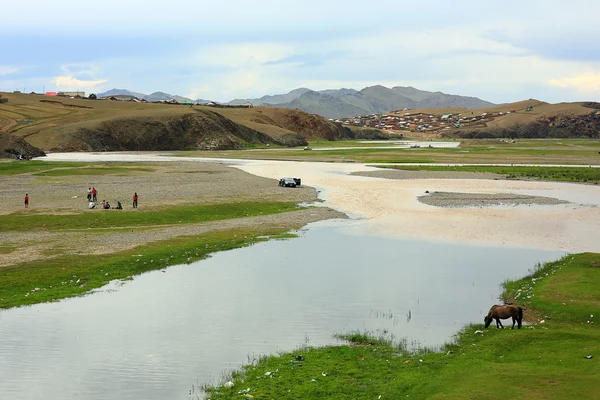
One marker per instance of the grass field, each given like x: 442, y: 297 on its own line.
x: 483, y: 151
x: 24, y: 167
x: 562, y: 174
x: 191, y: 214
x: 541, y: 361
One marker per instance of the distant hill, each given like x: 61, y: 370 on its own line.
x: 156, y: 96
x: 272, y: 100
x: 100, y: 125
x: 120, y: 92
x: 323, y: 104
x: 337, y: 103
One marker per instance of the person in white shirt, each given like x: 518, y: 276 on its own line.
x: 92, y: 205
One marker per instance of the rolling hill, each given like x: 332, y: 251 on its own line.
x: 64, y: 124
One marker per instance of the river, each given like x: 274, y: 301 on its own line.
x: 166, y: 332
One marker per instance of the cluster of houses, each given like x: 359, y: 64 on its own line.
x: 72, y: 95
x: 415, y: 121
x: 172, y: 101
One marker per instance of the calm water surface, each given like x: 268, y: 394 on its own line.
x: 156, y: 336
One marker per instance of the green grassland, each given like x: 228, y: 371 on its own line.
x: 24, y: 167
x: 564, y: 174
x: 44, y: 168
x: 541, y: 361
x: 173, y: 215
x: 481, y: 151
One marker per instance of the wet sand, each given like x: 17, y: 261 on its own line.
x: 391, y: 207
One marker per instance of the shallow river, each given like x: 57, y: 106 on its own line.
x: 156, y: 336
x: 167, y: 331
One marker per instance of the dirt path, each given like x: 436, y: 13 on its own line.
x: 11, y: 123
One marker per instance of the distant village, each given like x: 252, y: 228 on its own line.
x: 134, y: 99
x: 407, y: 120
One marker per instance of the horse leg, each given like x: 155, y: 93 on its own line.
x: 500, y: 322
x: 514, y: 321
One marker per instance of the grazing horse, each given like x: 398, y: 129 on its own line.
x: 503, y: 312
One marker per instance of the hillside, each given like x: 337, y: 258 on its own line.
x: 370, y: 100
x: 63, y: 124
x: 524, y: 119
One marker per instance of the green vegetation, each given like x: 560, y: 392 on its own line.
x: 479, y: 151
x: 23, y: 167
x: 98, y: 219
x: 43, y: 168
x: 112, y: 170
x: 569, y: 174
x: 544, y: 360
x: 72, y: 275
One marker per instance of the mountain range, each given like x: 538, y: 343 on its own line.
x: 339, y: 103
x: 370, y: 100
x: 156, y: 96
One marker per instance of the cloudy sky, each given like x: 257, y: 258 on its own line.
x: 500, y: 51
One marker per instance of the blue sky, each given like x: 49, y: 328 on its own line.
x: 498, y: 51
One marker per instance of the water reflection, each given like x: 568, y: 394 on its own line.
x: 154, y: 337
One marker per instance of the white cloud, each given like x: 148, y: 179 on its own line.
x: 71, y: 83
x: 79, y: 69
x: 241, y: 55
x: 7, y: 70
x: 585, y: 83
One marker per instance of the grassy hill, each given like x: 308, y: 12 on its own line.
x: 64, y: 124
x: 523, y: 119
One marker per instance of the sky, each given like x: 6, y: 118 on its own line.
x: 500, y: 51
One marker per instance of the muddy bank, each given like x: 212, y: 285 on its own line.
x: 456, y: 200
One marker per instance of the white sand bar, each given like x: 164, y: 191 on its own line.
x: 391, y: 208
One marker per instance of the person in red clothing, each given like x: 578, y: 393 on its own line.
x: 135, y: 200
x: 26, y: 200
x: 94, y: 195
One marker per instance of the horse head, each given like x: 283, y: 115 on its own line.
x: 488, y: 320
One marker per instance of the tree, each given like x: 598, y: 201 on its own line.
x: 92, y: 96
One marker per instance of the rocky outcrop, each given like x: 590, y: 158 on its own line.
x: 13, y: 146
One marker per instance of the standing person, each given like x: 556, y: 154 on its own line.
x: 26, y: 200
x: 89, y: 194
x: 94, y: 195
x: 135, y: 200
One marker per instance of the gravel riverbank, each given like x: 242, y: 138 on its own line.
x: 163, y: 185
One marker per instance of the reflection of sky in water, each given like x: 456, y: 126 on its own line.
x: 154, y: 337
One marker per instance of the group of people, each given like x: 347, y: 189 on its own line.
x: 92, y: 196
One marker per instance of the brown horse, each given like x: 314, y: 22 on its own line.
x: 503, y: 312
